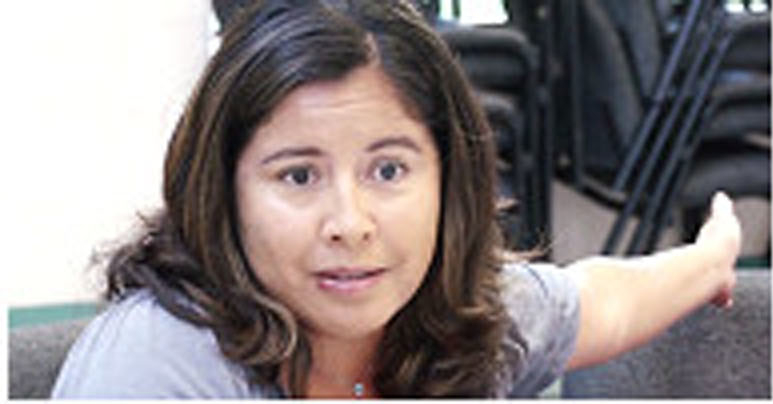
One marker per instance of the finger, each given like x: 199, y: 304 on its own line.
x: 721, y: 203
x: 728, y: 304
x: 723, y: 299
x: 719, y: 301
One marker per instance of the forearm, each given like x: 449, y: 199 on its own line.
x: 627, y: 301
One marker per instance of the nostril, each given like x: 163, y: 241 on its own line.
x: 340, y: 238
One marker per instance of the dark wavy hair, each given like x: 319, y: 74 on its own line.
x: 447, y: 340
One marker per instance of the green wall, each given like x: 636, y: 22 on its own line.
x: 25, y: 316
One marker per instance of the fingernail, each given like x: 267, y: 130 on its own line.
x: 722, y: 200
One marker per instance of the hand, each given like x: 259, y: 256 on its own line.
x: 720, y: 237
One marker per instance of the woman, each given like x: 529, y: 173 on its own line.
x: 329, y: 231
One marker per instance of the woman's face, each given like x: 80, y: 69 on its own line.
x: 338, y: 198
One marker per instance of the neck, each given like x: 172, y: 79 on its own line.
x: 338, y: 364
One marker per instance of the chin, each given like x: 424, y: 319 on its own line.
x: 352, y: 327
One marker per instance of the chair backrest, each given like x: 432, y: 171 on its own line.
x: 637, y: 24
x: 35, y: 355
x: 612, y: 104
x: 494, y: 58
x: 751, y: 48
x: 711, y: 353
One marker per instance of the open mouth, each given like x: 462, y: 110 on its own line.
x: 348, y: 275
x: 348, y: 281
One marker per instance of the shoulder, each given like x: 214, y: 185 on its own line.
x: 542, y: 301
x: 539, y: 284
x: 136, y: 348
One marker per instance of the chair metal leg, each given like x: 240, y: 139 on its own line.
x: 655, y: 201
x: 654, y: 154
x: 660, y: 95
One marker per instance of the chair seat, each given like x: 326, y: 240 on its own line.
x: 713, y: 353
x: 744, y: 172
x: 35, y: 355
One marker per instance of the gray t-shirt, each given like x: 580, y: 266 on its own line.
x: 137, y: 349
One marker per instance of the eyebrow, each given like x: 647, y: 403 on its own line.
x: 292, y: 152
x: 400, y: 141
x: 289, y: 152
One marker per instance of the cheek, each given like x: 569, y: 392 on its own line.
x: 426, y: 225
x: 414, y: 226
x: 272, y: 235
x: 417, y: 235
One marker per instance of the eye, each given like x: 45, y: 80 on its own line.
x: 389, y: 170
x: 298, y: 176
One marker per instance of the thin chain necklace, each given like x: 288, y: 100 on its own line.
x: 358, y: 388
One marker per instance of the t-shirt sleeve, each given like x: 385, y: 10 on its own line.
x: 136, y: 349
x: 544, y: 303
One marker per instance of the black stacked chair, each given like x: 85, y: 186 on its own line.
x: 735, y: 131
x: 719, y: 153
x: 644, y: 94
x: 503, y: 65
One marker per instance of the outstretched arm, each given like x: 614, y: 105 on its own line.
x: 625, y: 302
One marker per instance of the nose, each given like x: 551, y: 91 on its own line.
x: 349, y: 221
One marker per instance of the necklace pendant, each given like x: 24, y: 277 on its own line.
x: 359, y: 390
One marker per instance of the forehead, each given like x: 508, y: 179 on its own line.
x: 365, y: 100
x: 362, y: 85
